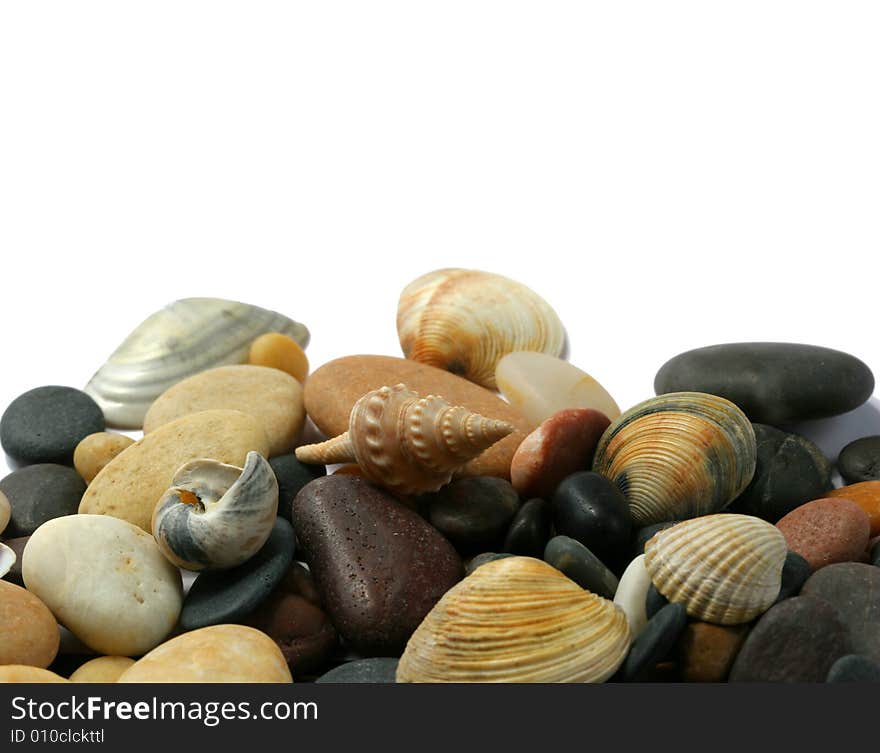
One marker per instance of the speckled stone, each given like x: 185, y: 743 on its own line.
x: 826, y: 531
x: 866, y: 495
x: 102, y: 669
x: 860, y: 460
x: 530, y: 530
x: 97, y: 450
x: 854, y: 668
x: 706, y: 652
x: 654, y: 643
x: 378, y: 669
x: 38, y: 493
x: 28, y: 631
x: 292, y: 475
x: 578, y: 563
x: 795, y: 572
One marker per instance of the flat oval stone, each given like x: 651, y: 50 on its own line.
x: 106, y: 581
x: 292, y: 475
x: 481, y: 559
x: 866, y: 495
x: 17, y: 546
x: 795, y: 572
x: 772, y: 383
x: 631, y: 592
x: 563, y: 444
x: 654, y: 643
x: 216, y: 654
x: 44, y: 425
x: 96, y: 450
x: 706, y: 652
x: 854, y: 668
x: 38, y: 493
x: 219, y: 596
x: 28, y: 631
x: 797, y: 640
x: 577, y: 562
x: 378, y: 566
x: 377, y: 669
x: 790, y: 471
x: 332, y: 390
x: 281, y: 352
x: 272, y: 397
x: 20, y: 673
x: 131, y: 483
x: 530, y: 530
x: 853, y: 589
x: 826, y: 531
x: 102, y: 669
x: 860, y: 460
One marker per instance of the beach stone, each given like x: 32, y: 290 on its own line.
x: 826, y: 531
x: 277, y: 351
x: 106, y: 581
x: 530, y: 530
x: 860, y: 460
x: 772, y: 383
x: 706, y: 652
x: 481, y: 559
x: 631, y: 593
x: 44, y: 425
x: 378, y: 565
x: 221, y: 596
x: 654, y: 642
x: 23, y: 674
x: 38, y: 493
x: 866, y: 495
x: 5, y: 512
x: 298, y: 580
x: 854, y: 668
x: 96, y: 450
x: 795, y: 572
x: 790, y: 471
x: 560, y: 446
x: 332, y: 390
x: 216, y: 654
x: 853, y: 589
x: 273, y: 398
x: 375, y: 670
x: 577, y: 562
x: 292, y: 475
x: 797, y: 640
x: 102, y: 669
x: 28, y: 631
x: 654, y: 601
x: 17, y: 546
x: 132, y: 483
x: 644, y: 534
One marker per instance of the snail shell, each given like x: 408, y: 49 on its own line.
x: 405, y: 442
x: 465, y: 320
x: 724, y: 568
x: 679, y: 455
x: 216, y: 516
x: 517, y: 619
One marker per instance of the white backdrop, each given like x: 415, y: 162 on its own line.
x: 666, y: 175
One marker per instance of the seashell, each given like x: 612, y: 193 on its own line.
x: 7, y: 558
x: 216, y: 516
x: 408, y: 443
x: 679, y: 455
x: 465, y: 320
x: 517, y: 619
x: 182, y: 339
x: 723, y: 568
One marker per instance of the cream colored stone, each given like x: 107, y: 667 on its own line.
x: 102, y: 669
x: 96, y: 450
x: 132, y: 483
x: 220, y: 653
x: 5, y: 511
x: 28, y: 631
x: 106, y: 581
x: 20, y: 673
x: 272, y: 397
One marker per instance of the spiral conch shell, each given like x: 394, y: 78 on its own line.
x: 724, y: 568
x: 465, y: 320
x: 408, y: 443
x: 216, y: 516
x: 679, y: 455
x: 517, y: 620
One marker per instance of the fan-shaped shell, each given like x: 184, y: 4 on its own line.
x: 465, y: 320
x: 679, y: 455
x: 724, y: 568
x: 517, y: 620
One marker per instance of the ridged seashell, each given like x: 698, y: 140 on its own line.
x: 679, y: 455
x: 405, y: 442
x: 182, y: 339
x: 517, y: 619
x: 465, y: 320
x: 7, y: 559
x: 216, y: 516
x: 724, y: 568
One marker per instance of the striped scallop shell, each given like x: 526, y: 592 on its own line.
x: 724, y: 568
x: 517, y: 620
x: 466, y: 320
x: 679, y: 455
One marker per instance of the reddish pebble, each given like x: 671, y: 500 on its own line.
x: 563, y: 444
x: 826, y: 531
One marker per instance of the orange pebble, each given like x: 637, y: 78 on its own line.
x: 866, y: 494
x: 281, y: 352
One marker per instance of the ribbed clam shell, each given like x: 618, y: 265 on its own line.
x: 679, y: 455
x: 182, y: 339
x: 724, y: 568
x: 517, y: 619
x: 408, y: 443
x: 465, y: 320
x: 7, y: 559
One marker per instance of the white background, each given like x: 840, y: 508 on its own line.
x: 667, y: 175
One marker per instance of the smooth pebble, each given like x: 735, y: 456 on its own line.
x: 277, y: 351
x: 38, y: 493
x: 96, y: 450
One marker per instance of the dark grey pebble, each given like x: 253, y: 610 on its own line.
x: 860, y: 460
x: 375, y: 670
x: 654, y: 643
x: 854, y: 668
x: 292, y: 475
x: 484, y: 558
x: 38, y: 493
x: 530, y: 530
x: 654, y: 601
x: 795, y: 572
x: 578, y: 563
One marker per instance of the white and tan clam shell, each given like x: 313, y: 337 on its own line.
x: 517, y: 619
x: 408, y: 443
x: 216, y: 516
x: 679, y: 455
x: 724, y: 568
x: 465, y: 320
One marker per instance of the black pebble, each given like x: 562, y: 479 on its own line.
x: 654, y: 601
x: 854, y: 668
x: 292, y: 475
x: 654, y: 643
x: 38, y: 493
x: 795, y: 572
x: 577, y: 562
x: 860, y: 460
x: 530, y: 530
x: 374, y: 670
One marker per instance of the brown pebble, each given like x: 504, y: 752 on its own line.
x: 826, y: 531
x: 96, y: 450
x: 706, y: 652
x: 280, y: 352
x: 29, y: 633
x: 299, y: 581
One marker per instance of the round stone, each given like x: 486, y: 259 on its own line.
x: 19, y: 673
x: 28, y: 631
x: 481, y: 559
x: 795, y: 572
x: 96, y: 450
x: 277, y: 351
x: 577, y: 562
x: 17, y: 546
x: 102, y: 669
x: 272, y: 397
x: 706, y: 652
x: 854, y: 668
x: 292, y: 475
x: 38, y: 493
x: 866, y: 495
x: 219, y: 596
x: 860, y: 460
x: 46, y: 424
x: 106, y: 581
x: 654, y: 642
x: 631, y: 593
x: 530, y: 530
x: 378, y: 669
x: 826, y: 531
x: 216, y: 654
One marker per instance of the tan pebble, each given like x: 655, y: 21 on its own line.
x: 96, y: 450
x: 21, y: 673
x: 281, y: 352
x: 706, y: 652
x: 5, y: 511
x: 102, y: 669
x: 28, y: 631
